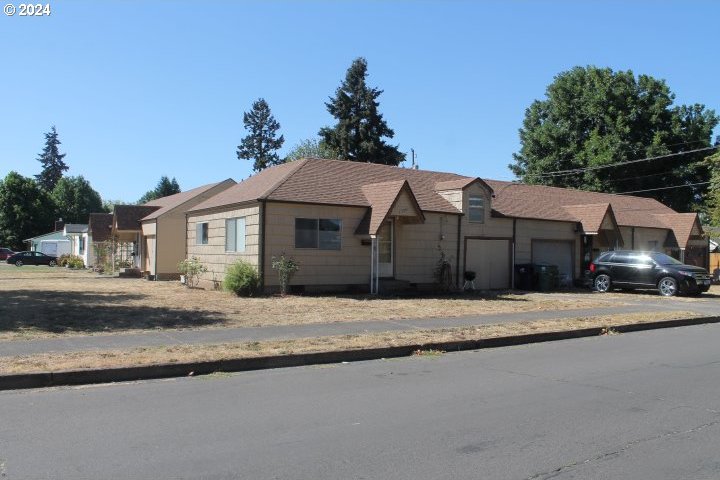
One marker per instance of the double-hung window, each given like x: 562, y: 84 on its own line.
x: 202, y: 231
x: 320, y: 233
x: 476, y: 210
x: 235, y: 235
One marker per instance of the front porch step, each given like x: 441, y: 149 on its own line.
x: 391, y: 285
x: 130, y: 273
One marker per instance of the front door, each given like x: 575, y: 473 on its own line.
x: 385, y: 249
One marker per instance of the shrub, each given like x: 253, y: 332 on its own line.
x: 76, y: 262
x: 286, y: 267
x: 70, y: 261
x: 63, y: 259
x: 192, y: 269
x: 242, y: 279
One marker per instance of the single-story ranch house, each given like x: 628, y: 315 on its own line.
x: 360, y: 225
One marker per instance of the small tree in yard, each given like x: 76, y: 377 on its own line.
x: 192, y: 269
x: 286, y: 267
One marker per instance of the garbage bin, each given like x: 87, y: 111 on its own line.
x: 548, y: 277
x: 524, y: 276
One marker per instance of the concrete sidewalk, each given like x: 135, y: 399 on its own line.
x: 250, y: 334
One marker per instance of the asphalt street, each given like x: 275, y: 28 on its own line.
x: 632, y: 406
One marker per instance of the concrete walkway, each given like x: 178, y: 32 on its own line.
x: 250, y: 334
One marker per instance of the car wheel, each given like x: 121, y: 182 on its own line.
x: 602, y: 283
x: 667, y: 286
x: 52, y: 263
x: 18, y: 263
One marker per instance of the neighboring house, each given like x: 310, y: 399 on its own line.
x: 99, y: 232
x: 55, y: 243
x: 80, y: 240
x: 351, y: 225
x: 151, y: 237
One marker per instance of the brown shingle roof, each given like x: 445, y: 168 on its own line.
x: 252, y: 188
x: 337, y: 182
x: 590, y: 216
x: 681, y: 224
x: 173, y: 201
x: 99, y: 226
x: 382, y: 197
x: 127, y: 217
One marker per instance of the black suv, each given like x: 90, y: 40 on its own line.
x: 629, y: 269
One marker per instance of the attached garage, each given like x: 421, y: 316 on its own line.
x: 490, y: 260
x: 555, y: 252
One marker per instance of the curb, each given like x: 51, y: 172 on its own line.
x: 170, y: 370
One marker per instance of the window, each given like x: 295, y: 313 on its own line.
x: 324, y: 233
x: 477, y: 209
x: 201, y: 233
x: 235, y: 234
x: 81, y: 245
x: 653, y: 245
x: 621, y: 258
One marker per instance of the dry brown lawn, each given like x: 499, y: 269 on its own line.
x: 214, y: 352
x: 45, y: 302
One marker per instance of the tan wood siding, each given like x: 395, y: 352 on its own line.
x: 213, y: 255
x: 418, y: 247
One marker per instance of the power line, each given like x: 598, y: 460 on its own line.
x: 560, y: 173
x: 663, y: 188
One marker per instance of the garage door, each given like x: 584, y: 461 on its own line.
x: 490, y: 260
x: 555, y: 253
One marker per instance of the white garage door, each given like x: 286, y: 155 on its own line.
x: 557, y: 253
x: 490, y: 260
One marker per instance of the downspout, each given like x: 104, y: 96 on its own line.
x: 512, y: 271
x: 457, y: 270
x: 632, y: 244
x: 261, y: 247
x: 155, y: 249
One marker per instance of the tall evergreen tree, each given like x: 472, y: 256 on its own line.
x: 593, y: 117
x: 261, y: 143
x: 164, y: 188
x: 360, y: 129
x: 52, y: 162
x: 75, y: 200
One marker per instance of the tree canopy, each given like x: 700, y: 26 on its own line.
x: 311, y: 148
x: 713, y: 197
x: 261, y: 143
x: 360, y: 130
x: 164, y: 188
x: 594, y: 117
x: 75, y: 200
x: 27, y: 210
x: 52, y: 162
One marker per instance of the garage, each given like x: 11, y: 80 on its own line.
x: 490, y: 260
x: 555, y: 252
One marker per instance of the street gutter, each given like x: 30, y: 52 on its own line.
x: 171, y: 370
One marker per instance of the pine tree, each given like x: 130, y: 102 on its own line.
x: 360, y: 129
x: 52, y: 162
x: 261, y: 143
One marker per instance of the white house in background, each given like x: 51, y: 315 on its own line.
x: 80, y: 240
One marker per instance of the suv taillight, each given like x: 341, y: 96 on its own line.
x: 592, y: 268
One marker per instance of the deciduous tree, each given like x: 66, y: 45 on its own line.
x: 75, y: 200
x: 27, y: 210
x: 594, y: 117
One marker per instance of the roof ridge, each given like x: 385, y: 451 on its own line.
x: 302, y: 162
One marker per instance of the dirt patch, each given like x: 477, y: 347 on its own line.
x: 50, y: 302
x: 212, y: 352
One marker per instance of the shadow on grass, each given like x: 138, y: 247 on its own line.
x: 91, y: 312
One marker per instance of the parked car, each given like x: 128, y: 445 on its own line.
x: 31, y: 258
x: 629, y: 269
x: 5, y: 253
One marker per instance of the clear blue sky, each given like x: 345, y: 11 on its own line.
x: 143, y: 89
